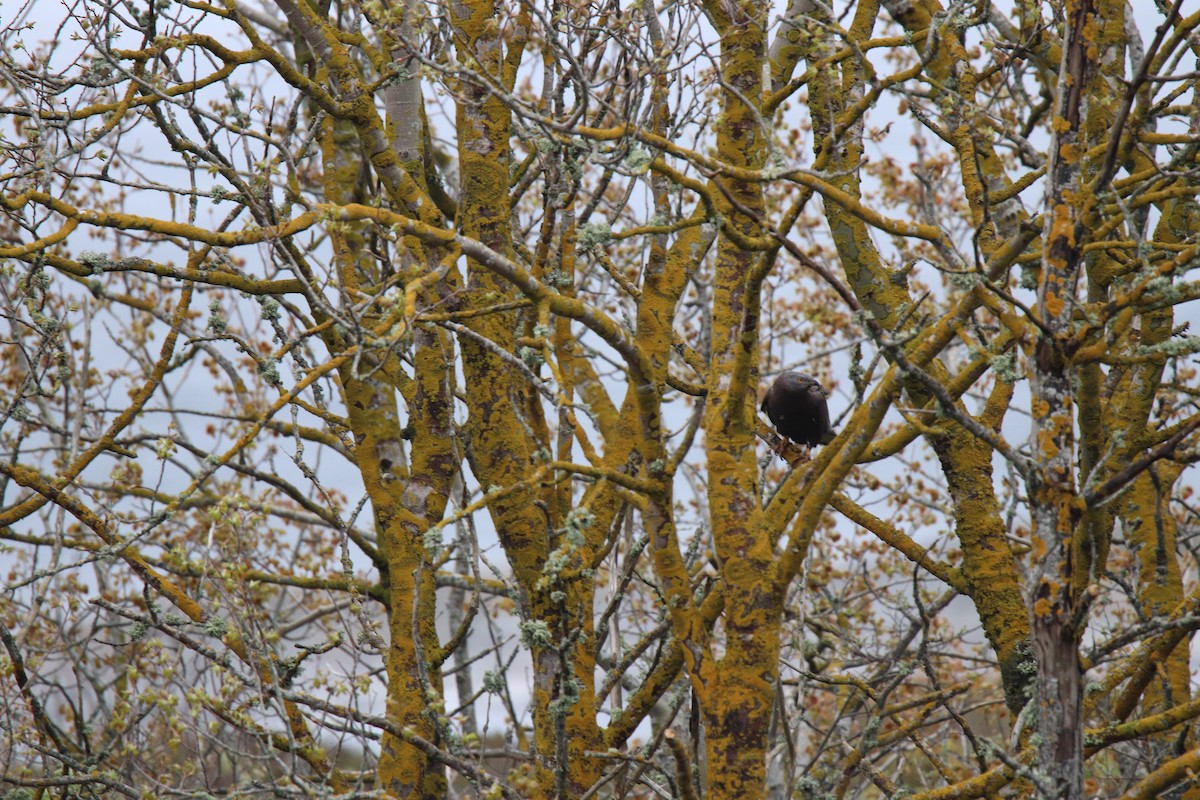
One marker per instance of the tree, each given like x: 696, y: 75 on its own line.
x: 355, y: 349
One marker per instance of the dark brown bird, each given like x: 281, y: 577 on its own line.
x: 796, y: 406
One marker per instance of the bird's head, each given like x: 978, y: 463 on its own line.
x: 799, y: 381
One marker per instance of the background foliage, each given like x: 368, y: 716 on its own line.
x: 379, y: 411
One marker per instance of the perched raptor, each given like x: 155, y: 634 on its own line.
x: 796, y: 406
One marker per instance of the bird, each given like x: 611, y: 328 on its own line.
x: 795, y: 404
